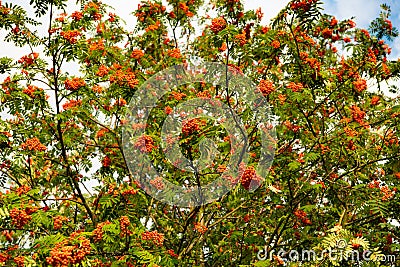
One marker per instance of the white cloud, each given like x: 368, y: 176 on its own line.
x: 124, y: 9
x: 270, y: 8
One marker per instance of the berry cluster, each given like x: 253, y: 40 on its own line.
x: 218, y: 24
x: 120, y: 102
x: 145, y: 143
x: 304, y: 5
x: 61, y: 17
x: 192, y: 125
x: 93, y: 9
x: 53, y: 30
x: 388, y: 193
x: 69, y: 251
x: 177, y: 95
x: 201, y: 228
x: 172, y: 253
x: 122, y: 77
x: 74, y: 84
x: 97, y: 89
x: 131, y: 191
x: 106, y: 161
x: 221, y: 168
x: 292, y: 127
x: 4, y: 256
x: 123, y: 224
x: 4, y: 10
x: 72, y: 104
x: 103, y: 71
x: 279, y: 260
x: 248, y: 177
x: 71, y: 36
x: 168, y: 110
x: 350, y: 132
x: 96, y: 45
x: 357, y: 114
x: 185, y: 9
x: 98, y: 232
x: 360, y: 84
x: 19, y: 217
x: 241, y: 38
x: 58, y: 222
x: 153, y: 27
x: 20, y: 261
x: 157, y: 183
x: 327, y: 33
x: 246, y: 218
x: 155, y: 236
x: 137, y: 54
x: 175, y: 53
x: 295, y: 87
x: 101, y: 27
x: 266, y: 87
x: 77, y: 15
x: 146, y: 9
x: 204, y: 94
x: 31, y: 90
x: 111, y: 189
x: 302, y: 215
x: 23, y: 189
x: 275, y: 44
x: 28, y: 59
x: 33, y: 144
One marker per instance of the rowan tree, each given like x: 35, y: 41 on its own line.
x: 69, y: 199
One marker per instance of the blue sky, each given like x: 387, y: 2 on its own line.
x: 365, y: 11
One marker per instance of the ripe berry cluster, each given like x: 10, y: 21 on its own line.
x: 22, y: 190
x: 155, y: 236
x: 145, y: 144
x: 69, y: 251
x: 74, y: 84
x: 131, y: 191
x: 71, y: 36
x: 33, y: 144
x: 201, y: 228
x: 123, y: 224
x: 304, y: 5
x: 98, y: 232
x: 8, y: 235
x: 302, y: 215
x: 20, y: 261
x: 172, y: 253
x: 157, y: 183
x: 19, y: 217
x: 58, y: 222
x: 249, y: 177
x: 218, y: 24
x: 266, y: 87
x: 28, y: 59
x: 191, y: 126
x: 31, y: 90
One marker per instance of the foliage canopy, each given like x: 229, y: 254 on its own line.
x: 68, y: 198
